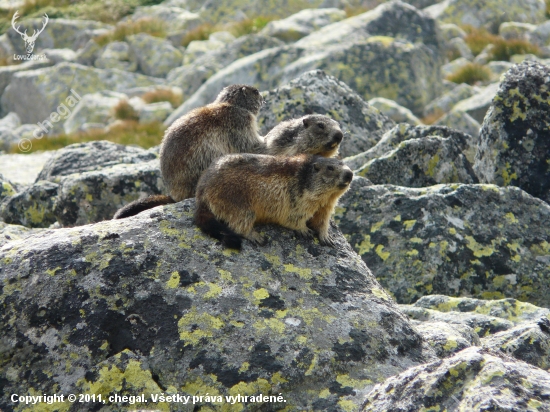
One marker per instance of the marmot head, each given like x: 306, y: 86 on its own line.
x: 241, y: 95
x: 327, y: 133
x: 329, y: 175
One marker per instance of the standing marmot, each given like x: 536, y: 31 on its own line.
x: 311, y: 134
x: 298, y: 192
x: 195, y: 140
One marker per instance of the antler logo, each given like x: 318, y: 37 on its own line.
x: 29, y: 40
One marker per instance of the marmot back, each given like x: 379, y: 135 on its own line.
x: 300, y: 192
x: 194, y: 141
x: 311, y: 134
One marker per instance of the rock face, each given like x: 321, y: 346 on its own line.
x: 444, y: 239
x: 489, y: 13
x: 85, y: 183
x: 471, y: 380
x: 155, y: 57
x: 454, y: 142
x: 422, y: 162
x: 86, y: 157
x: 191, y: 77
x: 152, y: 301
x: 401, y: 46
x: 514, y: 141
x: 316, y: 92
x: 35, y: 94
x: 302, y: 23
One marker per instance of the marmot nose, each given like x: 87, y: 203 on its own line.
x: 348, y: 176
x: 337, y: 138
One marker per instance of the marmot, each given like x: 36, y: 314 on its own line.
x: 195, y: 140
x: 298, y: 192
x: 311, y: 134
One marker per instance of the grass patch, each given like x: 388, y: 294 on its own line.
x: 237, y: 29
x: 249, y: 26
x: 547, y: 9
x: 124, y: 132
x: 478, y: 39
x: 355, y: 10
x: 201, y: 32
x: 504, y: 49
x: 149, y: 25
x: 125, y: 111
x: 433, y: 117
x: 163, y: 95
x: 470, y: 74
x: 103, y: 11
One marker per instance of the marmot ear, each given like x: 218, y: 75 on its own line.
x: 306, y: 122
x: 316, y: 166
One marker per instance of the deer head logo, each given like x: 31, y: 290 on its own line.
x: 29, y: 40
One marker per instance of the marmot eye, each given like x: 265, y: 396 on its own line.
x: 320, y: 125
x: 330, y: 168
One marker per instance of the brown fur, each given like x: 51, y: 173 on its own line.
x: 198, y: 138
x: 311, y: 134
x: 300, y: 192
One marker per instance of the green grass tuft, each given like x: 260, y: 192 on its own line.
x: 478, y: 39
x: 238, y: 29
x: 249, y: 26
x: 201, y: 32
x: 504, y: 49
x: 151, y: 26
x: 470, y: 73
x: 124, y: 111
x: 163, y: 95
x: 123, y: 132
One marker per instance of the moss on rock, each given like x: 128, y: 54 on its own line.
x: 149, y: 303
x: 445, y: 239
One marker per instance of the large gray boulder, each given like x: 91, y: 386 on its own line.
x: 7, y: 72
x: 9, y: 233
x: 85, y: 183
x: 485, y: 317
x: 529, y: 342
x: 316, y: 92
x: 489, y: 13
x: 421, y: 162
x: 302, y: 23
x: 393, y: 32
x: 477, y: 105
x: 174, y: 18
x: 116, y: 55
x: 35, y: 95
x: 482, y: 241
x: 392, y: 139
x: 190, y: 77
x: 152, y: 302
x: 461, y: 121
x: 32, y: 207
x: 93, y: 108
x: 471, y: 380
x: 395, y: 19
x: 261, y: 70
x: 155, y: 56
x: 8, y: 124
x: 57, y: 34
x: 514, y: 141
x: 87, y: 157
